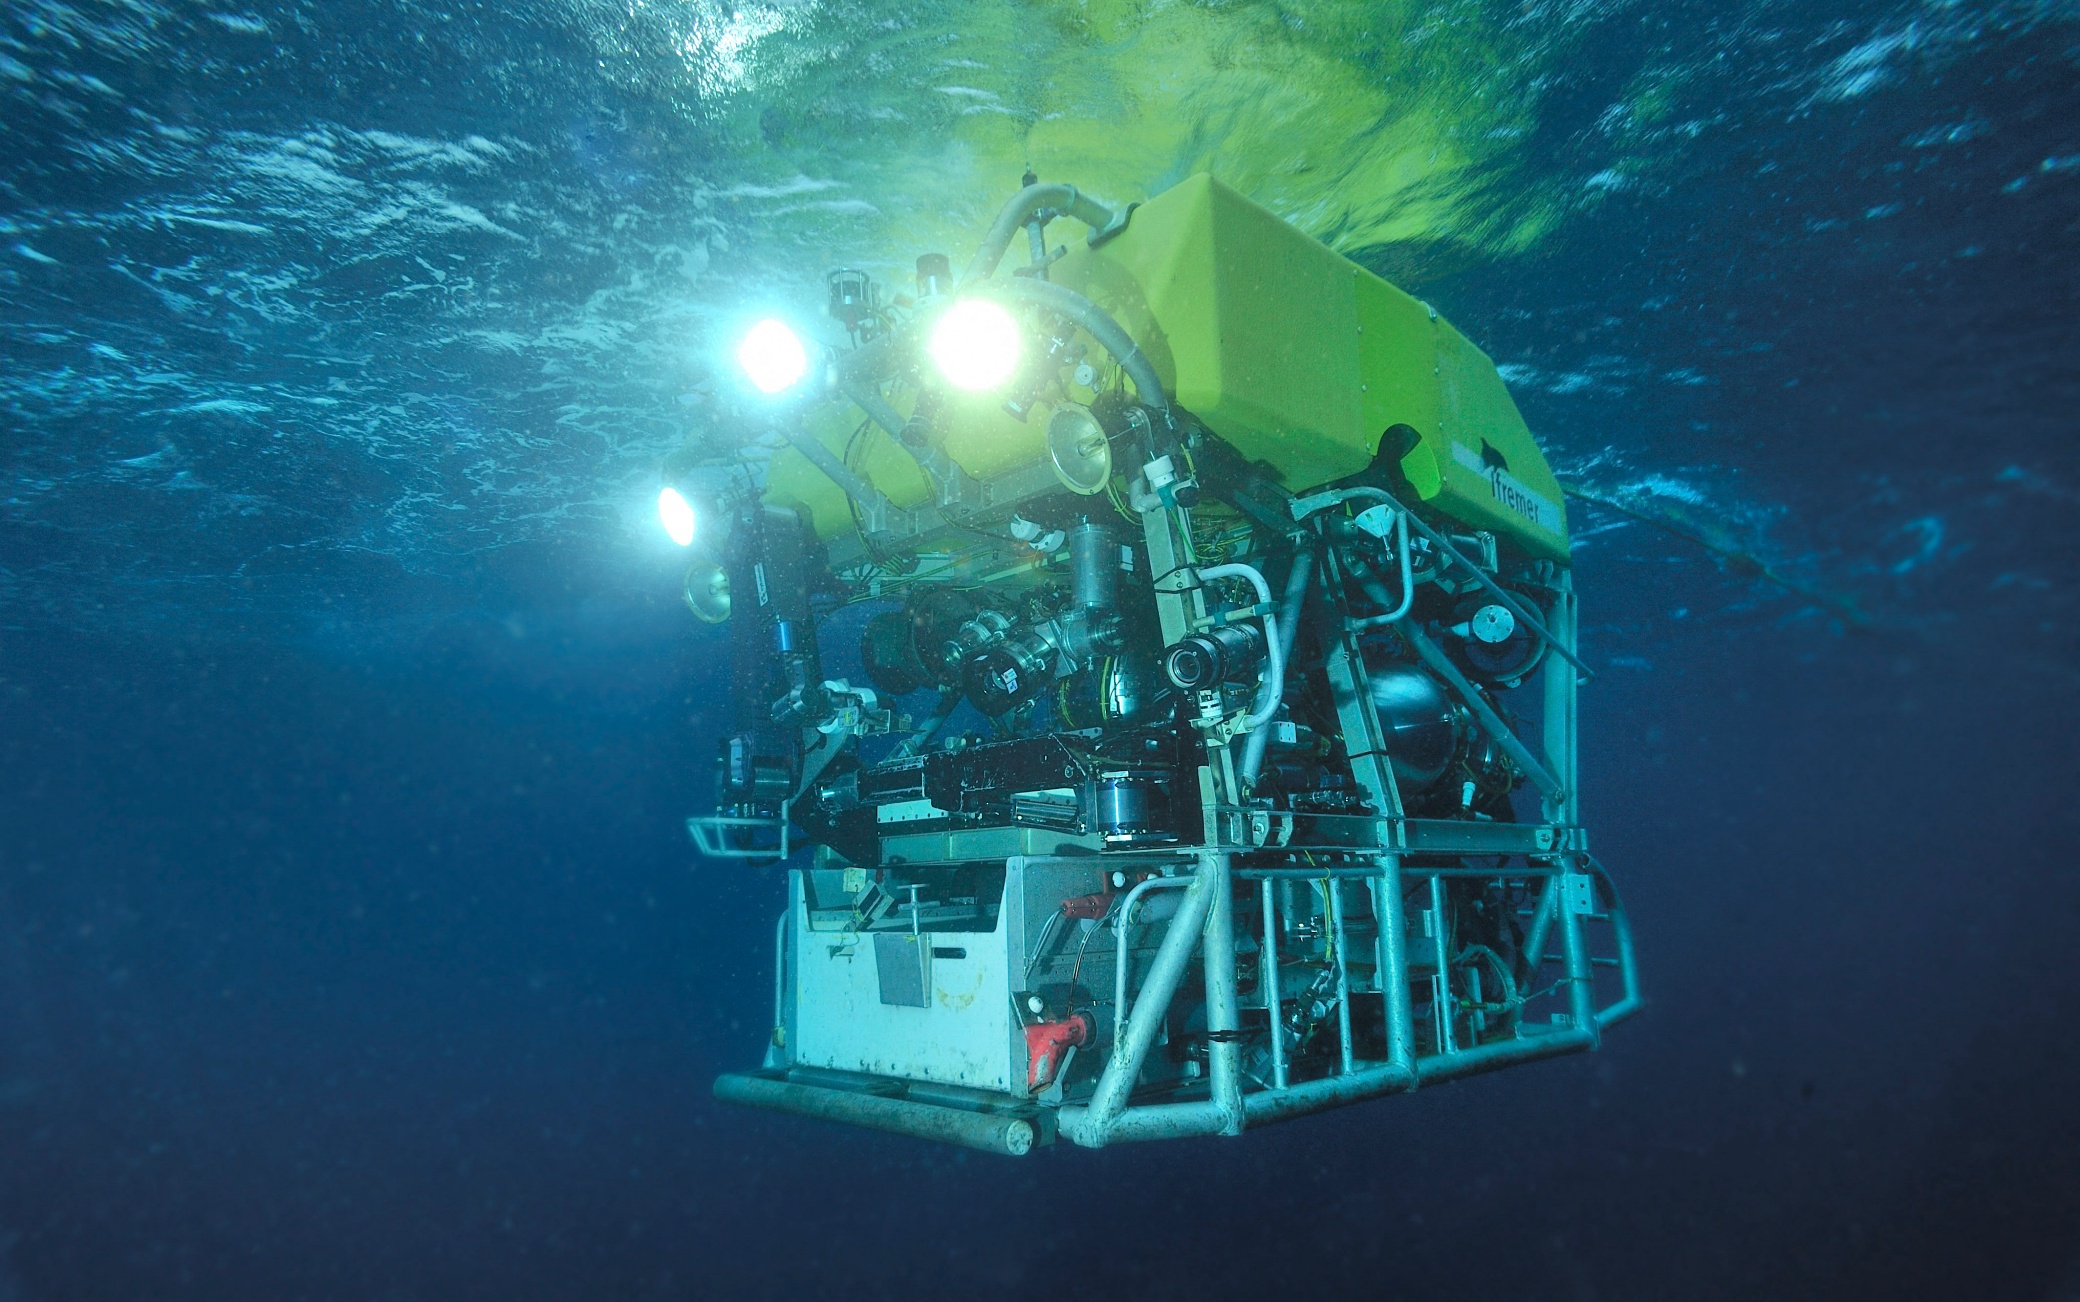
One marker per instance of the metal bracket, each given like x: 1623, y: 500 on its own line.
x: 710, y: 834
x: 1052, y: 1095
x: 1114, y: 228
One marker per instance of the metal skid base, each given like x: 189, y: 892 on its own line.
x: 915, y: 1028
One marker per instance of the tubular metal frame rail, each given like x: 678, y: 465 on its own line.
x: 1373, y: 853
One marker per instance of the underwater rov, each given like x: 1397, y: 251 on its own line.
x: 1254, y: 591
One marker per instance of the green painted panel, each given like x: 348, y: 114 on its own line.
x: 1397, y: 353
x: 1252, y: 324
x: 793, y: 481
x: 985, y: 439
x: 1494, y: 476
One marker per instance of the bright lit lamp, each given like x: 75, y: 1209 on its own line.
x: 772, y: 356
x: 976, y: 344
x: 676, y: 513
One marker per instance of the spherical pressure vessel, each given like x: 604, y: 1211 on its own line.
x: 1422, y: 726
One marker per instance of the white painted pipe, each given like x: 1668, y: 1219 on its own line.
x: 1288, y: 625
x: 1091, y: 1124
x: 1124, y: 920
x: 1223, y: 1012
x: 1274, y: 693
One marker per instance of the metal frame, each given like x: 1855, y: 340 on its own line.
x: 1203, y: 922
x: 710, y: 834
x: 1366, y: 869
x: 1574, y: 892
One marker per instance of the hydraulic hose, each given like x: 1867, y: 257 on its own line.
x: 1288, y: 624
x: 1274, y: 693
x: 1397, y: 611
x: 1111, y: 336
x: 1066, y: 199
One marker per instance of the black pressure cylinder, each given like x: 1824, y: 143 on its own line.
x: 1219, y: 655
x: 770, y: 629
x: 934, y: 275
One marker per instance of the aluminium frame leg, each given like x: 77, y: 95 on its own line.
x: 1206, y: 913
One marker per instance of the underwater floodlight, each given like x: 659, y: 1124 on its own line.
x: 772, y: 356
x: 677, y: 515
x: 707, y: 590
x: 1076, y: 444
x: 976, y: 344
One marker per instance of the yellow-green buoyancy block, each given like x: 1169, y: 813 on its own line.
x: 1293, y: 354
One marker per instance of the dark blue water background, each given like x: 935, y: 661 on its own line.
x: 350, y: 946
